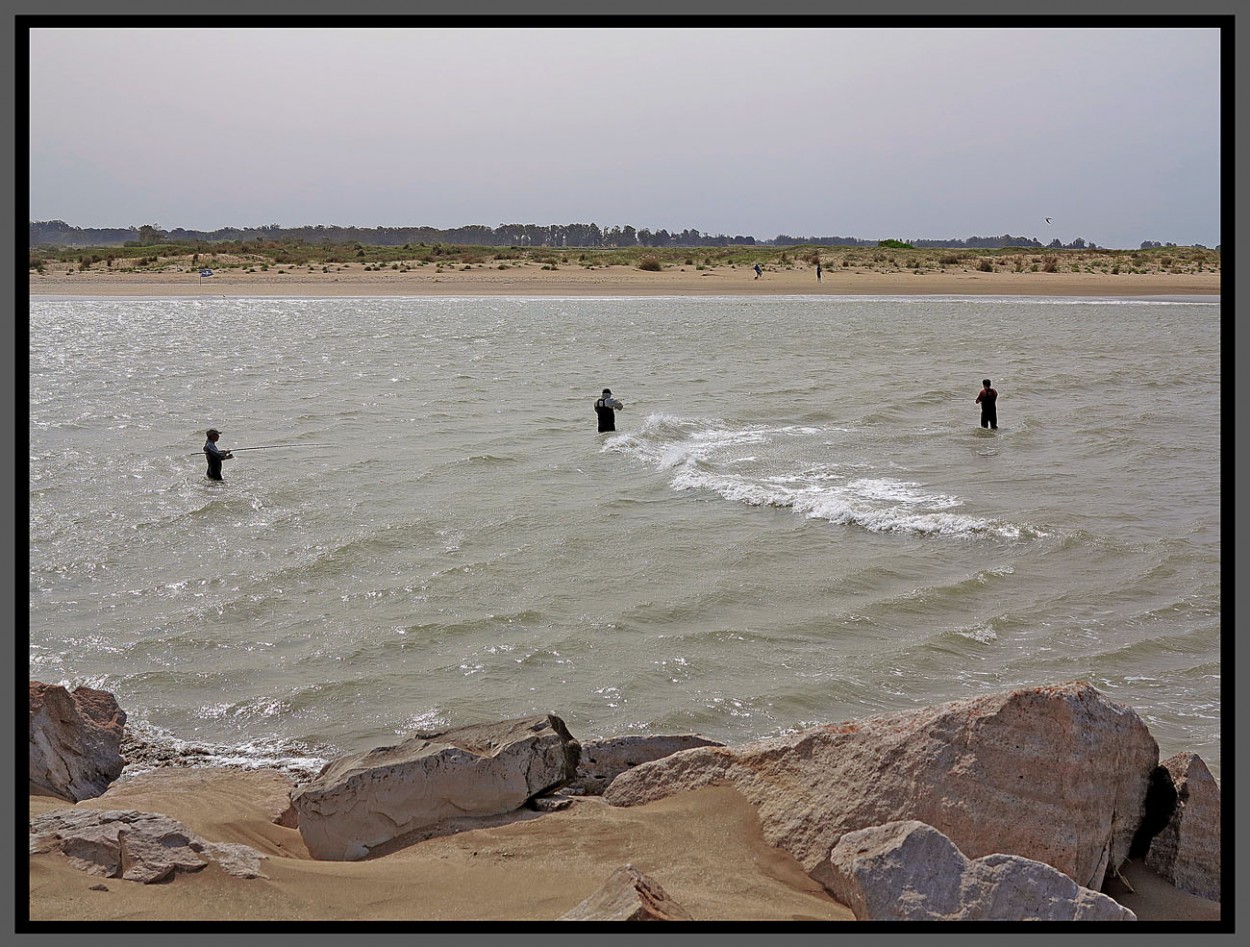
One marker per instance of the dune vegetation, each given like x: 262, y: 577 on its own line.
x: 888, y: 257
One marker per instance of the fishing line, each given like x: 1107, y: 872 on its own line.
x: 235, y: 450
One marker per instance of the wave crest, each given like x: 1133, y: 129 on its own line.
x: 790, y: 467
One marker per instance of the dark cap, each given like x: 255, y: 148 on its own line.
x: 607, y: 391
x: 213, y: 430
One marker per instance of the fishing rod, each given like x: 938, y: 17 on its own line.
x: 235, y: 450
x: 265, y: 447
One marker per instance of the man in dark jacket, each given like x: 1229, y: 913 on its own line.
x: 986, y: 399
x: 215, y: 454
x: 606, y: 408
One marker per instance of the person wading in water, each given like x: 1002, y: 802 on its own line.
x: 987, y: 399
x: 606, y: 408
x: 215, y: 454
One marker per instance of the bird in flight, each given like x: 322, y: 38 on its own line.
x: 1047, y: 220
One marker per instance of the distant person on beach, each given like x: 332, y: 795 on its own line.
x: 818, y: 271
x: 986, y: 398
x: 215, y: 454
x: 758, y: 271
x: 606, y: 408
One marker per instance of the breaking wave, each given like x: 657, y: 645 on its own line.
x: 787, y: 467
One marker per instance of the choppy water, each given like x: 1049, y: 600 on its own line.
x: 798, y: 520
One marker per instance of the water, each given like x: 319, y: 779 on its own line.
x: 798, y: 520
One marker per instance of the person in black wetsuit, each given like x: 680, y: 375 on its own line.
x: 987, y: 399
x: 215, y: 454
x: 606, y: 408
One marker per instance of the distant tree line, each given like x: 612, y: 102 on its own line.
x: 985, y: 243
x: 60, y: 234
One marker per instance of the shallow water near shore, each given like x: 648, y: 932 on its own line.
x: 797, y: 521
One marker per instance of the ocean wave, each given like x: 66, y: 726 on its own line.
x: 146, y: 747
x: 770, y: 466
x: 799, y: 520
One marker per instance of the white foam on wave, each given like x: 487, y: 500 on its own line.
x: 151, y: 747
x: 704, y: 454
x: 665, y: 440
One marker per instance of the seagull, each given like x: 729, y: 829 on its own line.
x: 1047, y: 220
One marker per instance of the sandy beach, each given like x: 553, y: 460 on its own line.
x: 534, y: 280
x: 705, y: 848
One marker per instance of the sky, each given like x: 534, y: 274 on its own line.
x: 894, y: 132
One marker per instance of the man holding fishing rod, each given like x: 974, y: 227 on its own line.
x: 215, y: 454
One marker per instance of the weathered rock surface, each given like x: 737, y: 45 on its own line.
x: 361, y: 801
x: 909, y: 871
x: 135, y: 846
x: 1187, y: 852
x: 75, y: 740
x: 1056, y: 774
x: 603, y: 760
x: 628, y: 895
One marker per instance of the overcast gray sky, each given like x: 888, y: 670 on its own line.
x: 894, y: 132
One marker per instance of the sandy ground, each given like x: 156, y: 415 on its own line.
x: 705, y: 848
x: 532, y: 280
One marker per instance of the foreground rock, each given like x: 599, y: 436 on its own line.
x: 603, y: 760
x: 909, y: 871
x: 75, y: 740
x: 1055, y: 774
x: 362, y: 801
x: 1187, y: 852
x: 135, y: 846
x: 629, y: 895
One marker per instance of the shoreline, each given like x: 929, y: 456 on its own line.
x: 516, y: 820
x: 623, y: 281
x: 726, y: 833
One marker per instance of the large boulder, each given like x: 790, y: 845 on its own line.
x: 628, y: 895
x: 1187, y: 851
x: 361, y: 801
x: 909, y: 871
x: 603, y: 760
x: 135, y: 846
x: 75, y: 741
x: 1057, y: 774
